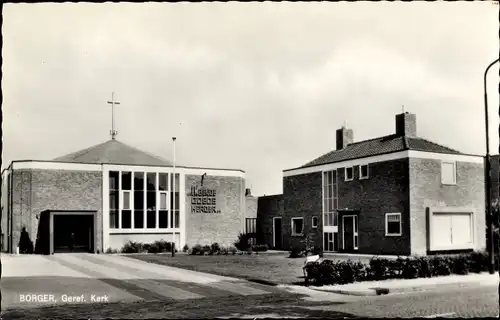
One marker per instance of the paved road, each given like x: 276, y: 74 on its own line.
x: 471, y: 301
x: 86, y: 278
x: 142, y: 290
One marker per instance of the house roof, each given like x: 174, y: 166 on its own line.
x: 114, y: 152
x: 378, y: 146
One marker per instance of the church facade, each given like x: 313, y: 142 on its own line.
x: 104, y: 196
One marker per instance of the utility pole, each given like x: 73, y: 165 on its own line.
x: 489, y: 213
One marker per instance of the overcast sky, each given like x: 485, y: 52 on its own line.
x: 256, y: 86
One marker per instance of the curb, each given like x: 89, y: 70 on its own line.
x: 401, y: 290
x: 264, y: 282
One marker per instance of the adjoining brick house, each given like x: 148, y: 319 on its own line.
x: 112, y: 193
x: 397, y: 194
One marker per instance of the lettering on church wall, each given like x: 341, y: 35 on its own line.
x: 203, y: 200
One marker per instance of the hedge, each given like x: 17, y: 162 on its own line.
x: 155, y: 247
x: 216, y: 249
x: 329, y: 272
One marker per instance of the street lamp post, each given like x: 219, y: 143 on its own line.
x: 491, y: 223
x: 175, y: 198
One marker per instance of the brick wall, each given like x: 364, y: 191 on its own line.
x: 427, y: 191
x: 223, y: 227
x: 385, y: 191
x: 302, y: 198
x: 35, y: 191
x: 5, y: 210
x: 268, y: 207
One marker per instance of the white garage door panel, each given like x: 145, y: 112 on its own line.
x: 452, y: 231
x: 442, y: 230
x: 461, y: 229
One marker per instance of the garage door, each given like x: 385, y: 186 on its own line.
x: 452, y: 231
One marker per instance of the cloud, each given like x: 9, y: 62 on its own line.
x: 258, y: 86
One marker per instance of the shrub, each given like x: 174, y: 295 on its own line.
x: 260, y: 247
x: 163, y: 246
x: 232, y: 250
x: 224, y: 251
x: 132, y: 247
x: 461, y: 264
x: 410, y: 268
x: 317, y: 251
x: 424, y: 267
x: 110, y: 250
x: 185, y: 248
x: 308, y: 244
x: 206, y: 249
x: 145, y: 247
x: 296, y: 252
x: 214, y: 249
x: 196, y: 250
x: 440, y: 266
x: 378, y: 268
x: 478, y: 262
x: 242, y: 243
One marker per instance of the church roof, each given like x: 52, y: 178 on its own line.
x: 114, y: 152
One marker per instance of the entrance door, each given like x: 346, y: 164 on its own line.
x: 348, y: 233
x: 277, y: 236
x: 73, y: 233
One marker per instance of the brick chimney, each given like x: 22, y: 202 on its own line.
x: 344, y: 137
x: 406, y: 125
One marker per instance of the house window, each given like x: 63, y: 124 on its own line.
x: 114, y: 199
x: 151, y: 200
x: 163, y: 200
x: 138, y: 219
x: 448, y: 172
x: 251, y: 225
x: 297, y: 226
x: 363, y: 171
x: 393, y: 224
x: 330, y: 198
x: 349, y: 174
x: 314, y: 222
x: 329, y: 241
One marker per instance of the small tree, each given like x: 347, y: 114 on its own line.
x: 308, y: 244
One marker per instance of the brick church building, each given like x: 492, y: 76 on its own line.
x: 111, y: 193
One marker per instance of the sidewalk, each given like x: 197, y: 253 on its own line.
x: 372, y: 288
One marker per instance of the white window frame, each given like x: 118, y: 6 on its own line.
x: 345, y: 174
x: 387, y: 234
x: 314, y: 225
x: 361, y: 176
x: 293, y: 229
x: 454, y: 163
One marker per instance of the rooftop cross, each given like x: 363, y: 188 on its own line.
x: 113, y: 132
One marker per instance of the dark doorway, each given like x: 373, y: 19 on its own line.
x: 348, y: 227
x: 277, y: 236
x: 73, y: 233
